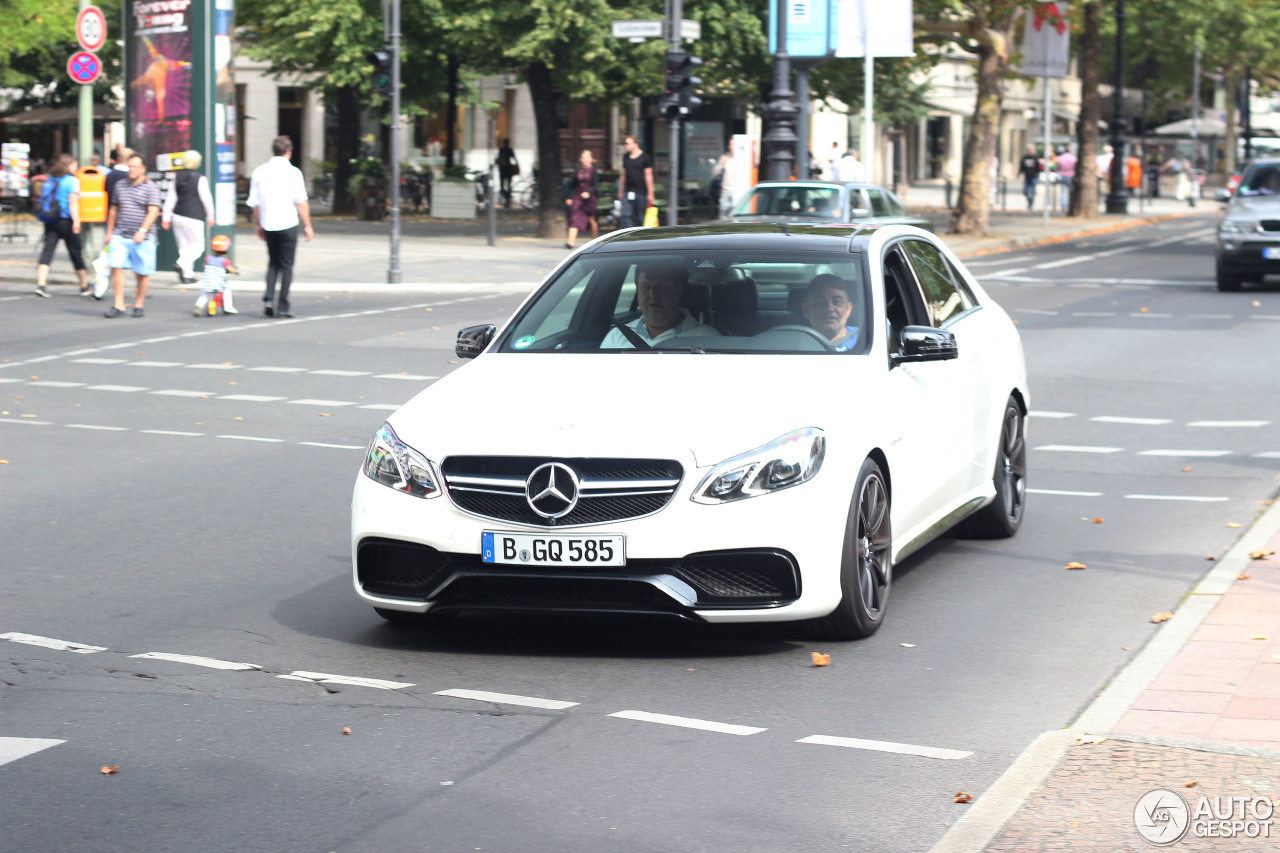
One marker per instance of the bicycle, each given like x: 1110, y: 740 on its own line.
x: 527, y: 196
x: 481, y: 178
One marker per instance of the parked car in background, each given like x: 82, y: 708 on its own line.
x: 824, y: 201
x: 1249, y: 233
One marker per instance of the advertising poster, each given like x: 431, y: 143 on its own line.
x: 159, y: 75
x: 224, y: 114
x: 15, y: 179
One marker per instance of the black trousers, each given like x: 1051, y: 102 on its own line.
x: 60, y: 229
x: 281, y: 247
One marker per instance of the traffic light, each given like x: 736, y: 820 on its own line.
x: 678, y: 84
x: 380, y: 59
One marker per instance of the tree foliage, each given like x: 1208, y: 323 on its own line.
x: 39, y: 37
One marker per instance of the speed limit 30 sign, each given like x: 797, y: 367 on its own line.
x: 91, y: 28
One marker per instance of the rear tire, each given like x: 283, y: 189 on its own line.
x: 1001, y: 518
x: 866, y: 568
x: 1228, y: 282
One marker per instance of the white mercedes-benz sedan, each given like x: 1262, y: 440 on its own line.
x: 725, y: 423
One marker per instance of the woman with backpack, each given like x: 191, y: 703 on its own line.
x: 59, y: 209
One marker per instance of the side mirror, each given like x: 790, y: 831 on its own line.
x: 1222, y: 195
x: 473, y: 340
x: 925, y: 343
x: 859, y: 212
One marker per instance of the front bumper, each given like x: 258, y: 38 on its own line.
x: 1242, y: 253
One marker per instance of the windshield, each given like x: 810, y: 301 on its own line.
x: 702, y: 301
x: 810, y: 202
x: 1261, y: 179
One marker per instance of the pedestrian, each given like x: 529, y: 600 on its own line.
x: 849, y: 169
x: 1103, y: 165
x: 1133, y: 172
x: 724, y: 171
x: 131, y: 224
x: 214, y: 289
x: 583, y: 199
x: 278, y: 197
x: 188, y: 207
x: 1029, y: 168
x: 635, y: 184
x: 507, y: 169
x: 1067, y: 163
x: 59, y: 209
x: 1153, y: 174
x: 1177, y: 166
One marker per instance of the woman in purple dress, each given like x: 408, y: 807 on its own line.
x: 582, y: 202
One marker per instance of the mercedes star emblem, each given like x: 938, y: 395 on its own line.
x: 552, y: 490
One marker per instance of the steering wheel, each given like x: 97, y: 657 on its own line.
x: 807, y: 330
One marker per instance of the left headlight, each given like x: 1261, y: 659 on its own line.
x: 787, y: 461
x: 393, y: 463
x: 1236, y: 226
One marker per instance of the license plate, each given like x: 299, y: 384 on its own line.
x: 1271, y: 253
x: 552, y: 549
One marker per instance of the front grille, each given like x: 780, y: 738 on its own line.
x: 610, y: 489
x: 401, y: 569
x: 740, y: 577
x: 1270, y: 225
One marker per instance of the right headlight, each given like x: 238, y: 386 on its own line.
x: 1235, y: 226
x: 787, y: 461
x: 395, y: 464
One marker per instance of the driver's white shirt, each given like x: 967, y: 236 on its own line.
x: 687, y: 326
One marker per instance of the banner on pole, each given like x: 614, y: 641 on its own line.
x: 811, y: 32
x: 889, y: 22
x: 1046, y: 41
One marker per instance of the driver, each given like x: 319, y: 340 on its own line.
x: 658, y: 291
x: 827, y: 307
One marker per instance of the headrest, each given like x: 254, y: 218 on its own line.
x: 696, y: 297
x: 795, y: 298
x: 735, y: 294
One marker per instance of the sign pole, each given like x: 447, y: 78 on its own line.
x: 673, y: 186
x: 85, y: 116
x: 868, y: 93
x: 393, y: 271
x: 1048, y: 126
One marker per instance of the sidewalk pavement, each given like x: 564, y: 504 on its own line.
x: 1196, y: 714
x: 349, y: 254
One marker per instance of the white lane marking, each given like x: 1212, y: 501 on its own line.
x: 1038, y: 414
x: 327, y: 678
x: 250, y: 398
x: 1193, y: 498
x: 1264, y: 316
x: 1112, y: 419
x: 1270, y: 454
x: 1058, y: 492
x: 174, y: 392
x: 124, y: 389
x: 334, y: 446
x: 408, y: 376
x: 23, y: 421
x: 1065, y: 262
x: 49, y: 383
x: 155, y: 364
x: 12, y: 379
x: 1072, y: 448
x: 887, y: 746
x: 251, y: 438
x: 319, y: 402
x: 386, y: 407
x: 196, y: 660
x: 95, y: 426
x: 341, y: 372
x: 213, y: 366
x: 97, y: 361
x: 279, y: 369
x: 158, y: 340
x: 1210, y: 317
x: 507, y: 699
x: 1150, y: 314
x: 1229, y: 424
x: 51, y: 643
x: 1205, y: 453
x: 170, y: 432
x: 1037, y: 311
x: 13, y: 748
x: 120, y: 346
x: 688, y: 723
x: 1093, y: 313
x: 82, y: 351
x: 41, y: 358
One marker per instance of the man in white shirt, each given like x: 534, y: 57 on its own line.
x: 848, y: 169
x: 658, y: 295
x: 278, y: 197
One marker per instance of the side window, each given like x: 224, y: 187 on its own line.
x: 895, y: 205
x: 879, y: 205
x: 901, y: 298
x: 943, y: 296
x: 858, y: 205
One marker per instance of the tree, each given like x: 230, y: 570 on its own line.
x: 39, y: 37
x: 1084, y: 189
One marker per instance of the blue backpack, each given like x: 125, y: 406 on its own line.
x: 50, y: 209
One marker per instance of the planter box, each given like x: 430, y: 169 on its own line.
x: 453, y: 200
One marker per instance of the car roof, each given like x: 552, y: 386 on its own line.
x: 762, y: 236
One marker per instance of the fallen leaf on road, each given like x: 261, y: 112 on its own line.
x: 346, y: 730
x: 1097, y: 521
x: 224, y: 364
x: 820, y: 659
x: 1076, y: 566
x: 28, y: 416
x: 1086, y: 740
x: 1257, y: 304
x: 1210, y: 557
x: 35, y: 377
x: 1243, y: 577
x: 1188, y: 784
x: 962, y: 797
x: 237, y: 419
x: 1260, y: 555
x: 1234, y: 524
x: 399, y: 333
x: 1162, y: 617
x: 426, y: 309
x: 1258, y: 637
x: 1144, y: 310
x: 325, y: 415
x: 1188, y: 468
x: 109, y: 770
x: 4, y: 461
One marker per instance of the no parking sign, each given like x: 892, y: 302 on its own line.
x: 84, y: 67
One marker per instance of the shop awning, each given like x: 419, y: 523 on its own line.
x: 59, y: 115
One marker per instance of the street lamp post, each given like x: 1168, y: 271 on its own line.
x: 1118, y: 198
x: 781, y: 110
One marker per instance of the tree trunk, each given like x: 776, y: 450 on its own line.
x: 973, y: 210
x: 1084, y: 194
x: 348, y: 147
x: 550, y: 191
x: 1231, y: 142
x: 451, y: 111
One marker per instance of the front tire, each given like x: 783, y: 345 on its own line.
x: 866, y: 562
x: 1001, y: 518
x: 1228, y: 282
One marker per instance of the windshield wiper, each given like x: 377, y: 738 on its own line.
x: 632, y: 335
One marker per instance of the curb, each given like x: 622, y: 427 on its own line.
x: 993, y: 809
x: 1032, y: 240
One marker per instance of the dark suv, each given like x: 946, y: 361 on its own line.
x: 1249, y: 234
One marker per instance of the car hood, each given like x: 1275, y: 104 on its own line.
x: 619, y: 404
x: 1254, y: 207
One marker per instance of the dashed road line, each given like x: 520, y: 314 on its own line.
x: 309, y: 402
x: 1113, y: 419
x: 123, y: 389
x: 252, y: 398
x: 98, y: 427
x: 507, y: 699
x: 887, y: 746
x: 50, y: 383
x: 351, y: 680
x: 688, y: 723
x: 251, y: 438
x: 1074, y: 448
x: 1229, y: 424
x: 51, y: 643
x: 175, y: 392
x: 196, y: 660
x: 24, y: 421
x: 1192, y: 498
x: 1054, y: 415
x: 1066, y: 493
x: 1198, y: 453
x: 1270, y: 454
x: 341, y: 372
x: 334, y: 446
x: 13, y: 748
x: 170, y: 432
